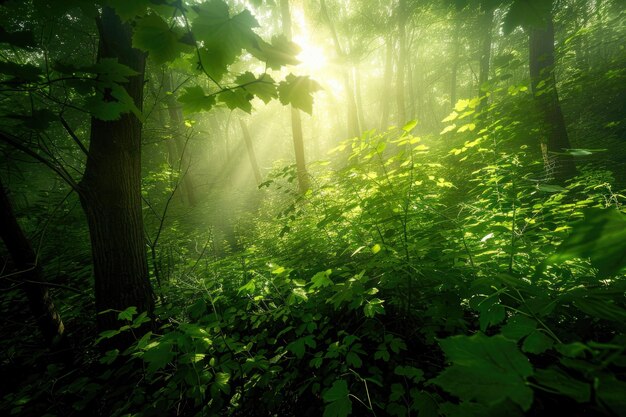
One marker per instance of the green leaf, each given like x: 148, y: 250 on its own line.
x: 537, y: 342
x: 339, y: 403
x: 491, y: 313
x: 556, y: 380
x: 298, y: 91
x: 158, y: 355
x: 409, y: 126
x: 113, y: 105
x: 279, y: 53
x: 109, y: 357
x: 321, y: 279
x: 518, y: 326
x: 601, y: 236
x: 221, y: 382
x: 194, y: 100
x: 127, y: 314
x: 217, y: 30
x: 486, y: 369
x: 352, y: 359
x: 237, y: 99
x: 373, y: 307
x: 264, y: 87
x: 298, y: 346
x: 410, y: 372
x: 215, y: 61
x: 153, y: 35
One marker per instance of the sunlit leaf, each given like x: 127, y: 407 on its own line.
x: 298, y: 91
x: 263, y: 87
x: 237, y: 98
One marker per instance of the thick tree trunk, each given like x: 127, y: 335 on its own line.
x: 296, y: 121
x: 558, y: 166
x: 31, y: 275
x: 177, y: 126
x: 486, y: 24
x: 110, y: 190
x: 251, y: 154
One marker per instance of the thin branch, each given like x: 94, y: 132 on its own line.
x: 70, y: 131
x: 60, y: 172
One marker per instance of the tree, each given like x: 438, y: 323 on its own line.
x: 110, y: 189
x: 296, y: 121
x: 538, y: 22
x: 29, y: 273
x: 251, y: 154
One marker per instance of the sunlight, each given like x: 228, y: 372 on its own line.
x: 312, y: 58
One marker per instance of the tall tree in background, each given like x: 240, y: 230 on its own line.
x: 296, y: 121
x: 251, y: 154
x: 485, y: 20
x: 535, y: 16
x: 541, y: 64
x: 177, y: 126
x: 351, y: 106
x: 401, y: 16
x: 110, y: 190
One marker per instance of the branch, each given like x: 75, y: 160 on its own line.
x: 60, y: 172
x: 73, y: 135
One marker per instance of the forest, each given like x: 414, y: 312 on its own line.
x: 313, y: 208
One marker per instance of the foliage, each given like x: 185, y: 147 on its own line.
x: 431, y: 270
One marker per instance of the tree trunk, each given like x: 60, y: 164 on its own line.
x: 400, y: 90
x: 354, y: 129
x: 454, y: 66
x: 486, y: 24
x: 177, y: 125
x: 541, y: 63
x: 385, y: 102
x: 251, y: 154
x: 110, y: 190
x: 31, y: 275
x: 296, y: 122
x: 359, y: 99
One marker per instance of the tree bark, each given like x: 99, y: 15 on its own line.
x: 559, y: 166
x: 31, y: 275
x: 110, y: 190
x: 251, y: 154
x: 296, y: 122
